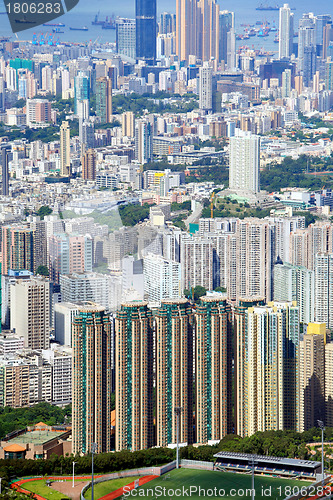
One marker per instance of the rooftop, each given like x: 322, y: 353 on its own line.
x: 268, y: 459
x: 35, y: 437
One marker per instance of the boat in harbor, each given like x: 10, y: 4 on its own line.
x: 84, y: 28
x: 55, y: 25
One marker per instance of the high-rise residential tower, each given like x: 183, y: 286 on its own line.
x: 17, y: 248
x: 134, y: 377
x: 89, y: 165
x: 30, y: 311
x: 143, y: 141
x: 65, y: 150
x: 324, y: 288
x: 206, y: 87
x: 212, y: 370
x: 307, y: 47
x: 146, y: 30
x: 128, y: 122
x: 162, y: 278
x: 226, y: 22
x: 174, y: 372
x: 197, y: 29
x: 267, y: 376
x: 91, y: 380
x: 295, y: 283
x: 312, y: 376
x: 81, y: 94
x: 104, y: 99
x: 126, y: 38
x: 5, y: 152
x: 286, y: 32
x: 244, y: 165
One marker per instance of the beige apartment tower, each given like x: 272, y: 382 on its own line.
x: 174, y: 372
x: 128, y: 124
x: 266, y: 377
x: 65, y: 151
x: 197, y: 29
x: 329, y: 385
x: 312, y: 376
x: 91, y: 380
x: 30, y: 311
x: 134, y: 377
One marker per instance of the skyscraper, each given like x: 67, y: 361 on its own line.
x: 197, y: 262
x: 226, y: 22
x: 162, y: 278
x: 86, y: 134
x: 69, y: 254
x: 65, y: 151
x: 5, y: 152
x: 134, y: 377
x: 128, y: 129
x: 286, y: 32
x: 91, y: 391
x: 295, y: 283
x: 174, y: 372
x: 312, y: 376
x: 206, y: 87
x: 89, y: 165
x: 208, y: 30
x: 30, y: 311
x: 307, y: 47
x: 329, y: 74
x: 126, y: 38
x: 322, y: 20
x: 197, y: 29
x: 17, y: 248
x: 104, y: 99
x: 81, y: 94
x: 244, y: 165
x: 324, y: 288
x: 143, y: 141
x: 286, y: 83
x: 213, y: 370
x: 266, y: 368
x: 146, y: 30
x: 329, y: 385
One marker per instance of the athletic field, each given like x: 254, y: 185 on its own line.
x: 186, y: 483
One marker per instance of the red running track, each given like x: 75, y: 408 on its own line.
x: 17, y: 485
x: 129, y: 487
x: 110, y: 496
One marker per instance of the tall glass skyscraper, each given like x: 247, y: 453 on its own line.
x: 146, y: 28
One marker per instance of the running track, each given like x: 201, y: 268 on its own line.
x: 110, y: 496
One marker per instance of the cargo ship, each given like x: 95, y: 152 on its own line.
x: 84, y: 28
x: 55, y: 25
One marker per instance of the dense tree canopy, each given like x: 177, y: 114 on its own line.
x: 12, y: 419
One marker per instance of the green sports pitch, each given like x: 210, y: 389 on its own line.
x: 198, y: 484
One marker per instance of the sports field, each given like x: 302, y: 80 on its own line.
x: 101, y: 489
x: 178, y: 484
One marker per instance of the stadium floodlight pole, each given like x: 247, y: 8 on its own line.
x: 252, y: 463
x: 73, y: 474
x: 93, y: 450
x: 178, y: 411
x: 321, y: 426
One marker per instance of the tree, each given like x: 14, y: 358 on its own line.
x: 44, y: 210
x: 42, y: 271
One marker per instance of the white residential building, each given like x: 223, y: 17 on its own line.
x: 162, y: 278
x: 244, y: 164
